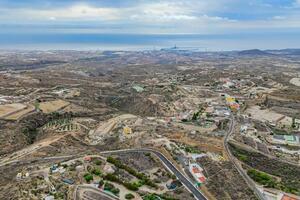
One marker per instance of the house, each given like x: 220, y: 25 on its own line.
x: 87, y: 159
x: 197, y: 173
x: 286, y: 197
x: 127, y: 130
x: 54, y: 168
x: 68, y: 181
x: 50, y: 197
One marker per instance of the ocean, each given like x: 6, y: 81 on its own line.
x: 132, y: 42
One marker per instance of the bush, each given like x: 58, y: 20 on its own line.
x: 98, y: 162
x: 262, y: 178
x: 59, y: 195
x: 131, y: 171
x: 129, y: 196
x: 116, y: 191
x: 147, y: 154
x: 242, y: 157
x: 108, y: 186
x: 101, y: 183
x: 96, y: 171
x: 131, y: 186
x: 72, y: 168
x: 88, y: 177
x: 112, y: 178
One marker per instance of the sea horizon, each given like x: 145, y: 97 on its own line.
x: 138, y: 42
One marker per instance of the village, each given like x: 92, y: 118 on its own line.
x: 165, y: 134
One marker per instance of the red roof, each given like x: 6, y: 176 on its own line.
x: 202, y: 179
x: 87, y: 158
x: 196, y: 170
x: 285, y: 197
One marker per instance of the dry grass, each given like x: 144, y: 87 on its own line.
x: 20, y: 113
x: 9, y: 109
x: 52, y: 106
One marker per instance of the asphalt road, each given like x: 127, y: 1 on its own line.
x: 248, y: 180
x: 91, y: 193
x: 186, y: 182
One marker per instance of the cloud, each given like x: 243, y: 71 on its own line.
x: 157, y: 16
x: 157, y: 10
x: 278, y: 17
x: 80, y: 12
x: 166, y: 11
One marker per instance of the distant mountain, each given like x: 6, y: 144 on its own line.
x: 254, y: 52
x: 285, y: 51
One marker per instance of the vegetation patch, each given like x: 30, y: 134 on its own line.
x: 145, y: 180
x: 289, y: 174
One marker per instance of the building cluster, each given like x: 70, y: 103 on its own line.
x: 22, y: 175
x: 232, y: 102
x: 292, y: 140
x: 197, y: 173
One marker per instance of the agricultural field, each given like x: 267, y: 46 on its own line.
x: 21, y: 113
x: 52, y: 106
x: 62, y: 125
x: 9, y: 109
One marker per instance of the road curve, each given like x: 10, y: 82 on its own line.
x: 88, y: 187
x: 185, y: 181
x: 248, y: 180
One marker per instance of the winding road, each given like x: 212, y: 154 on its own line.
x: 248, y: 180
x: 168, y: 164
x: 81, y: 192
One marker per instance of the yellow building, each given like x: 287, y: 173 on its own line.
x: 230, y: 99
x: 127, y: 130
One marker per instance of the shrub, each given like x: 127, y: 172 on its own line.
x: 88, y: 177
x: 131, y: 171
x: 108, y: 186
x: 147, y: 154
x: 96, y: 171
x: 98, y: 162
x: 242, y: 157
x: 116, y: 191
x: 101, y: 183
x: 112, y: 178
x: 129, y: 196
x: 131, y: 186
x: 262, y: 178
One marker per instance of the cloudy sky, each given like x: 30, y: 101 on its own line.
x: 205, y: 17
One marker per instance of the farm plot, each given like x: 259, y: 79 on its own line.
x: 10, y: 109
x: 52, y: 106
x: 21, y: 113
x: 62, y: 125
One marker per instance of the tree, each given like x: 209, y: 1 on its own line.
x: 108, y: 186
x: 116, y: 191
x: 294, y: 122
x: 195, y: 116
x: 129, y: 196
x: 88, y: 177
x: 96, y: 171
x: 101, y: 183
x: 97, y: 162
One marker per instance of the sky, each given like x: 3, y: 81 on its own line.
x: 259, y: 21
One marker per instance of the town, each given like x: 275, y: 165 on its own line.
x: 162, y: 124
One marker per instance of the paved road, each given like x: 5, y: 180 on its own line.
x: 248, y: 180
x: 86, y: 192
x: 186, y: 182
x: 28, y: 161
